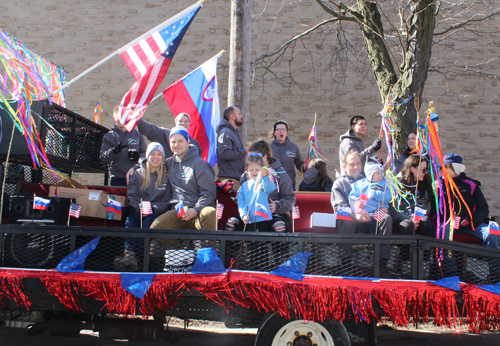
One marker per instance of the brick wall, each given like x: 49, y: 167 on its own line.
x: 76, y: 34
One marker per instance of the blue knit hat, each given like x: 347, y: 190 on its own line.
x: 451, y: 158
x: 155, y: 146
x: 180, y: 131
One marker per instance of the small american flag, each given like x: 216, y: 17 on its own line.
x: 220, y: 210
x: 295, y: 212
x: 74, y: 210
x: 146, y: 208
x: 358, y: 206
x: 456, y: 222
x: 379, y: 215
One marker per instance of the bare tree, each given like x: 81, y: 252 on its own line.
x: 398, y: 38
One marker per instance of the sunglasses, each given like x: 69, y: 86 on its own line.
x: 424, y: 170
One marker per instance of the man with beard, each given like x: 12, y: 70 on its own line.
x: 230, y: 151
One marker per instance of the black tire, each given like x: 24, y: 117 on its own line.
x: 275, y: 324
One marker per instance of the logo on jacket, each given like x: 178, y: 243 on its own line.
x: 133, y: 141
x: 290, y: 153
x: 187, y: 173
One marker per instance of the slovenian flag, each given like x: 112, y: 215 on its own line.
x: 197, y: 95
x: 179, y: 208
x: 114, y: 206
x: 494, y: 228
x: 260, y: 210
x: 419, y: 213
x: 41, y: 203
x: 343, y: 215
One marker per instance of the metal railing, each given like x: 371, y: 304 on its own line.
x: 397, y: 257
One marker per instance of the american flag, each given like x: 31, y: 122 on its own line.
x: 146, y: 208
x: 295, y: 212
x: 220, y: 210
x: 456, y: 222
x: 74, y: 210
x: 379, y: 215
x: 358, y: 206
x: 149, y: 60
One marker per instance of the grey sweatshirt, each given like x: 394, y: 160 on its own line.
x: 230, y: 151
x: 161, y: 135
x: 340, y: 192
x: 288, y: 154
x: 283, y: 196
x: 192, y: 180
x: 158, y: 196
x: 349, y: 142
x: 119, y: 164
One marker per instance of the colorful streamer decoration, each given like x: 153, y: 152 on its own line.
x: 98, y: 113
x: 314, y: 147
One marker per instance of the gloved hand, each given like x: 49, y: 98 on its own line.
x: 156, y: 209
x: 119, y: 148
x: 128, y: 209
x: 377, y: 144
x: 133, y: 154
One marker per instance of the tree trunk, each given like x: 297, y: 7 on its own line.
x: 413, y: 75
x: 239, y: 61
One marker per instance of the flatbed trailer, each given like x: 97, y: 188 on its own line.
x: 349, y: 282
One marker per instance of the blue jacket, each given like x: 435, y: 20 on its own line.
x: 260, y: 203
x: 378, y: 195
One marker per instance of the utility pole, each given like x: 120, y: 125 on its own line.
x: 239, y: 61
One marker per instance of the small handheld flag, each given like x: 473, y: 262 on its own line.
x: 146, y: 208
x: 343, y: 215
x: 74, y: 210
x: 179, y: 208
x: 358, y: 207
x: 419, y: 213
x: 220, y: 210
x: 260, y: 210
x: 114, y: 206
x: 494, y: 229
x: 41, y: 203
x: 295, y: 212
x: 379, y: 215
x: 456, y: 222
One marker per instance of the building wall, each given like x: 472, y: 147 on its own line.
x: 76, y: 34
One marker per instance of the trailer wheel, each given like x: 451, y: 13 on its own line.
x: 278, y: 331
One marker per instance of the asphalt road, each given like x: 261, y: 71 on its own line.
x: 245, y: 337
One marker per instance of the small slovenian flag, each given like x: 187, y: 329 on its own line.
x: 343, y: 215
x: 41, y: 203
x: 419, y: 213
x: 494, y: 228
x: 74, y: 210
x: 220, y: 210
x: 295, y: 212
x: 456, y: 222
x: 114, y: 206
x: 146, y: 208
x: 260, y: 210
x: 179, y: 208
x: 379, y: 215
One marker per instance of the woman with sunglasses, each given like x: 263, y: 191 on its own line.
x: 416, y: 180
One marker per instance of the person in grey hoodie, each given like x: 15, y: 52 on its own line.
x: 231, y: 153
x: 352, y: 141
x: 122, y: 150
x: 342, y: 188
x: 192, y: 181
x: 162, y: 134
x: 285, y: 151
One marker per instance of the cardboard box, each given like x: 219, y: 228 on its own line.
x: 323, y: 220
x: 88, y: 199
x: 102, y: 211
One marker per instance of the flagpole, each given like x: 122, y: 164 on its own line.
x: 33, y: 211
x: 69, y: 214
x: 216, y: 214
x: 214, y: 57
x: 293, y: 208
x: 106, y: 213
x: 140, y: 213
x: 140, y: 38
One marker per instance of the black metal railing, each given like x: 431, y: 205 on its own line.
x: 398, y: 257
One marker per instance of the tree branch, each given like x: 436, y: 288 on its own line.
x: 468, y: 21
x: 336, y: 14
